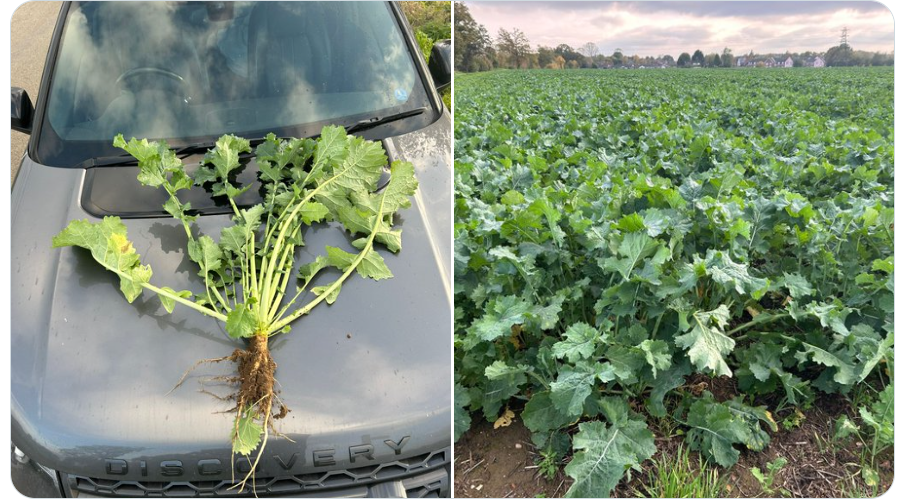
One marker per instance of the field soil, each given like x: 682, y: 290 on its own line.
x: 502, y: 463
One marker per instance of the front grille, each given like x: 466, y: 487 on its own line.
x: 424, y: 476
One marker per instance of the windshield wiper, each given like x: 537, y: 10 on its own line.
x: 129, y: 160
x: 377, y: 121
x: 201, y: 148
x: 110, y: 160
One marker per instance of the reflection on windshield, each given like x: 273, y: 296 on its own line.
x: 190, y: 69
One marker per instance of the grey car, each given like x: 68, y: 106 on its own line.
x: 367, y: 379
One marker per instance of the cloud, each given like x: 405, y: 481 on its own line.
x: 752, y: 9
x: 655, y: 28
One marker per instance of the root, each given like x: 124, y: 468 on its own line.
x: 222, y: 398
x: 255, y: 396
x: 201, y: 362
x: 256, y: 371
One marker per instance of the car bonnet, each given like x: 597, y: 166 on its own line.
x: 367, y: 379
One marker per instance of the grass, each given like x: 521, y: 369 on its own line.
x: 678, y: 476
x: 447, y: 97
x: 852, y: 488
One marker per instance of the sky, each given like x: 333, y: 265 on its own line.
x: 658, y: 28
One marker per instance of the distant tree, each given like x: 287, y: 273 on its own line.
x: 698, y: 58
x: 545, y: 56
x: 716, y: 61
x: 669, y: 60
x: 727, y: 58
x: 590, y: 49
x: 482, y: 63
x: 572, y: 64
x: 882, y: 59
x: 617, y: 57
x: 516, y: 45
x: 683, y: 60
x: 471, y: 40
x: 798, y: 62
x: 567, y: 52
x: 862, y: 58
x: 839, y: 55
x: 559, y: 63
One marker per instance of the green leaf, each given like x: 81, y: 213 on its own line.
x: 390, y: 238
x: 846, y: 372
x: 330, y: 149
x: 225, y: 156
x: 503, y: 381
x: 605, y: 451
x: 312, y: 212
x: 133, y: 286
x: 631, y: 223
x: 657, y: 355
x: 155, y: 161
x: 307, y: 271
x: 540, y: 414
x: 361, y: 168
x: 716, y: 427
x: 339, y: 258
x: 797, y: 285
x: 501, y: 314
x: 884, y: 352
x: 707, y: 343
x: 242, y: 322
x: 168, y: 303
x: 461, y: 419
x: 373, y: 266
x: 726, y: 272
x: 578, y: 343
x: 626, y: 361
x: 571, y: 388
x: 513, y: 197
x: 246, y: 433
x: 740, y: 228
x: 633, y: 249
x: 205, y: 253
x: 831, y: 315
x: 714, y: 431
x: 268, y: 171
x: 883, y: 265
x: 252, y: 219
x: 108, y: 243
x: 844, y: 427
x: 234, y: 239
x: 765, y: 358
x: 402, y: 186
x: 320, y: 290
x: 355, y: 220
x: 667, y: 380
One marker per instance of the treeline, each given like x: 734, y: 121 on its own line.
x: 844, y: 55
x: 476, y: 51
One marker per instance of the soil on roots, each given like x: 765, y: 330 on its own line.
x: 256, y: 373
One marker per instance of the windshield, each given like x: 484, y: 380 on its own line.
x: 188, y: 71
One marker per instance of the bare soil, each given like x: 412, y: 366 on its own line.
x: 501, y: 463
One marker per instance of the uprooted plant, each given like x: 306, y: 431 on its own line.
x: 247, y: 272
